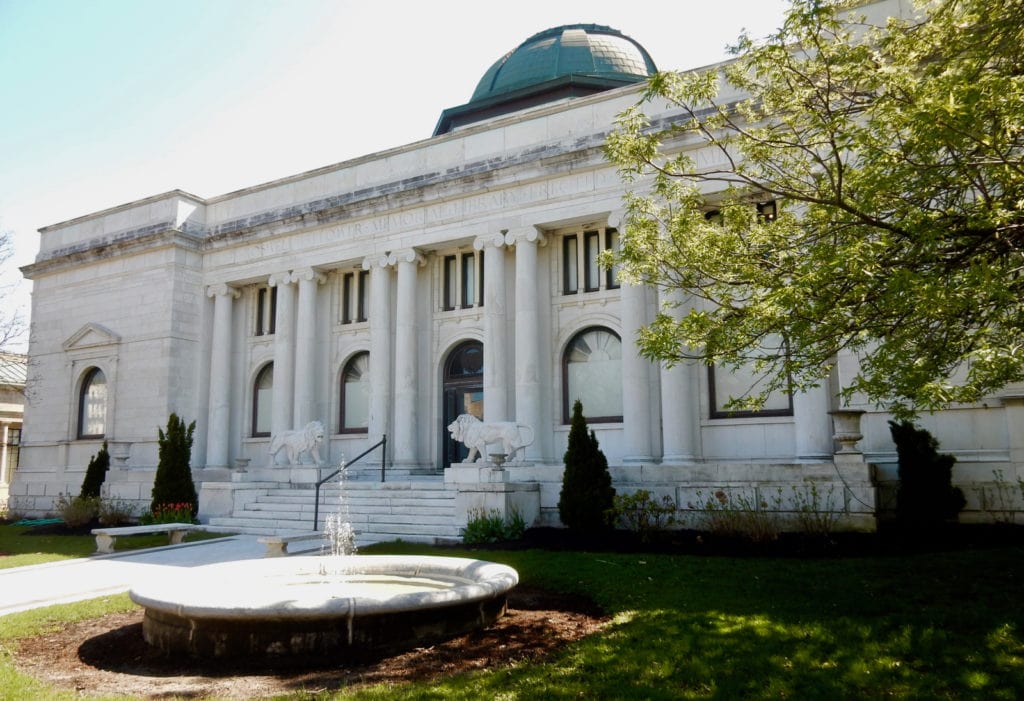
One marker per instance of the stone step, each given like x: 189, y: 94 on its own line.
x: 428, y: 509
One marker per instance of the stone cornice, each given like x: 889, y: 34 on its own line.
x: 135, y: 241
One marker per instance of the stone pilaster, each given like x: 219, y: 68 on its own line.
x: 284, y: 353
x: 406, y: 393
x: 812, y: 423
x: 496, y: 382
x: 380, y: 345
x: 305, y: 346
x: 218, y: 423
x: 528, y: 380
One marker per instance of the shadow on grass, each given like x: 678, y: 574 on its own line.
x: 944, y: 624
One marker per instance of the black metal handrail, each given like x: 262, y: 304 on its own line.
x: 382, y: 444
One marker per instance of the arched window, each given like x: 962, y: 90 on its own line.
x: 92, y: 405
x: 592, y: 373
x: 263, y: 401
x: 355, y: 394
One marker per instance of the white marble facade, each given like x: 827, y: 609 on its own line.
x: 183, y: 302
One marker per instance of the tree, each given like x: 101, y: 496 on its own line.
x: 587, y: 494
x: 12, y: 325
x: 894, y: 157
x: 173, y: 483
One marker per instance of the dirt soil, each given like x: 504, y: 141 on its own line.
x: 109, y: 656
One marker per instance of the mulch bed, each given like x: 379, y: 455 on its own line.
x: 108, y: 655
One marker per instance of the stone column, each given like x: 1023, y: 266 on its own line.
x: 305, y: 346
x: 636, y: 407
x: 812, y: 424
x: 380, y: 346
x: 218, y: 423
x: 496, y: 384
x: 406, y: 357
x: 528, y: 384
x: 284, y: 353
x: 680, y: 403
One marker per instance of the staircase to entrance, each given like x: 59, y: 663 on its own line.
x: 412, y: 508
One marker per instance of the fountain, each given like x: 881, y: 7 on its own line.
x: 347, y: 606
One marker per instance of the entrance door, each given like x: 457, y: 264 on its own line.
x: 463, y: 394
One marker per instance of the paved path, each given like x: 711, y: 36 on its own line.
x: 23, y: 588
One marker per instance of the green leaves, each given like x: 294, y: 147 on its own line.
x: 895, y: 157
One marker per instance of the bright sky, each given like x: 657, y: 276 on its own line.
x: 107, y: 101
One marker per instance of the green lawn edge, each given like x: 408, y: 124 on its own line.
x: 938, y: 625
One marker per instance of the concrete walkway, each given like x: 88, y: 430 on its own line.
x: 23, y: 588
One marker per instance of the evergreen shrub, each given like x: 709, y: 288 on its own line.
x: 587, y: 493
x: 96, y: 473
x: 926, y: 497
x: 173, y: 484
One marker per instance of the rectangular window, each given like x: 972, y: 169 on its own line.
x: 13, y: 450
x: 266, y: 310
x: 570, y: 275
x: 591, y: 276
x: 468, y: 280
x: 363, y: 311
x: 612, y: 244
x: 581, y: 254
x: 355, y: 291
x: 451, y: 282
x: 463, y: 281
x: 727, y: 384
x: 347, y: 283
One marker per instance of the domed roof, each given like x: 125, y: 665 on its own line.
x: 580, y: 49
x: 563, y: 62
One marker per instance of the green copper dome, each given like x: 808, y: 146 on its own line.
x: 563, y: 62
x: 574, y: 49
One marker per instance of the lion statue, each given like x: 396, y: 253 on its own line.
x: 477, y: 435
x: 294, y: 443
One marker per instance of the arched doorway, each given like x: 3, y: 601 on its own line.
x: 463, y: 394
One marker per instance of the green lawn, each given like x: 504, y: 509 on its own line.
x: 18, y: 549
x: 930, y: 626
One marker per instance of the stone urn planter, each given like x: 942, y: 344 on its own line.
x: 846, y: 423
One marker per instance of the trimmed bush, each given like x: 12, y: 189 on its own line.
x: 96, y: 473
x: 926, y: 496
x: 587, y: 493
x: 173, y: 484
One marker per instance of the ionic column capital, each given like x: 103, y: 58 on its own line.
x: 223, y: 289
x: 529, y: 234
x: 309, y: 275
x: 487, y: 240
x: 279, y: 279
x: 408, y: 255
x: 376, y: 261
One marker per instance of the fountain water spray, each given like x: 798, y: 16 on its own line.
x: 338, y: 526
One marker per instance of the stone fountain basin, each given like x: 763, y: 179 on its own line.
x: 351, y: 607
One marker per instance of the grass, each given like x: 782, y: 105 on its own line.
x: 18, y: 549
x: 938, y: 625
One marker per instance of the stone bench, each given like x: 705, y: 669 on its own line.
x: 277, y: 545
x: 106, y: 537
